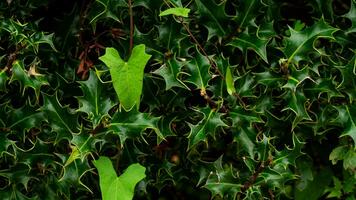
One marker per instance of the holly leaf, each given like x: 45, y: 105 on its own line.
x: 27, y: 79
x: 296, y: 77
x: 198, y: 71
x: 352, y: 16
x: 63, y: 122
x: 289, y: 155
x: 348, y: 82
x: 94, y: 102
x: 25, y: 118
x: 247, y: 11
x: 169, y: 72
x: 127, y: 76
x: 301, y: 43
x: 296, y: 103
x: 105, y: 9
x: 347, y: 119
x: 222, y: 181
x: 251, y: 41
x: 132, y: 124
x: 213, y: 17
x: 208, y: 125
x: 118, y: 188
x: 182, y: 12
x: 245, y: 85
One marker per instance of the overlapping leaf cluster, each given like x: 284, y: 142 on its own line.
x: 240, y: 100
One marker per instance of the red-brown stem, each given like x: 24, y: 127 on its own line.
x: 212, y: 63
x: 131, y: 26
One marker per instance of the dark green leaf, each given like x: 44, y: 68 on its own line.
x: 95, y: 102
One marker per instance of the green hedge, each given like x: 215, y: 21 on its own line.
x: 239, y: 99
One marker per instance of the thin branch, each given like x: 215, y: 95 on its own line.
x: 212, y: 63
x: 240, y: 100
x: 131, y: 26
x: 254, y: 176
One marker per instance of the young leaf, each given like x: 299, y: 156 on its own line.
x: 127, y: 76
x: 229, y: 82
x: 182, y: 12
x: 118, y: 188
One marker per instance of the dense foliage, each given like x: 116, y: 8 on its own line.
x: 240, y: 99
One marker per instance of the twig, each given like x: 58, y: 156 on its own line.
x: 213, y: 104
x: 240, y: 100
x: 131, y: 26
x: 255, y: 175
x: 212, y: 63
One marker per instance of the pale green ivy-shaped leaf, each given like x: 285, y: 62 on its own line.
x: 182, y: 12
x: 27, y: 80
x: 127, y: 76
x: 208, y: 125
x: 300, y: 43
x: 118, y: 188
x: 95, y: 102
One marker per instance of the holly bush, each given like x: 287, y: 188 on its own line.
x: 198, y: 99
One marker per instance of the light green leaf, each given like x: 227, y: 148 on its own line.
x: 183, y: 12
x: 229, y: 82
x: 338, y: 154
x: 127, y: 76
x: 118, y: 188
